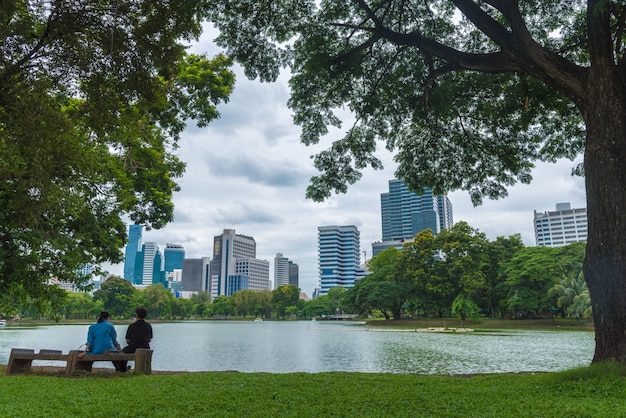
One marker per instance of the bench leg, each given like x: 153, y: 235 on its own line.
x: 143, y: 361
x: 70, y: 366
x: 17, y: 366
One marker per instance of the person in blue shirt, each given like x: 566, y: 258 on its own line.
x: 101, y: 337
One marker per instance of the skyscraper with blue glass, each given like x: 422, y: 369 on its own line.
x: 133, y: 248
x: 174, y: 255
x: 405, y: 213
x: 339, y: 250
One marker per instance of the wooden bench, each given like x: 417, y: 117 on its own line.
x: 21, y: 359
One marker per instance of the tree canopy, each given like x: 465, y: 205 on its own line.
x: 469, y: 94
x: 93, y: 98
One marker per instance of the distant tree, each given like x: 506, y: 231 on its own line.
x: 374, y: 293
x: 159, y: 301
x: 386, y: 288
x: 202, y: 309
x: 200, y: 297
x: 245, y: 302
x: 115, y: 294
x: 581, y: 305
x: 182, y: 308
x: 418, y: 264
x: 463, y: 251
x: 336, y: 297
x: 283, y: 297
x: 80, y: 305
x: 320, y: 306
x: 499, y: 252
x: 567, y: 290
x: 445, y: 266
x: 263, y: 306
x: 463, y: 308
x: 222, y: 306
x: 529, y: 276
x: 571, y: 288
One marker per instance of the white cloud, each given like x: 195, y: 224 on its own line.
x: 247, y: 171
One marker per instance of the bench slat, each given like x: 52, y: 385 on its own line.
x: 50, y: 352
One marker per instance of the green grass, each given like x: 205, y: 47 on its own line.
x: 597, y: 391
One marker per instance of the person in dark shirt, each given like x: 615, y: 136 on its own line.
x: 138, y: 335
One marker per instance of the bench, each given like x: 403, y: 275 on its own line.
x: 142, y: 358
x: 21, y: 359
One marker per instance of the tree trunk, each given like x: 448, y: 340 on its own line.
x: 605, y: 172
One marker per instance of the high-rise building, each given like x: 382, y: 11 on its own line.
x: 132, y: 248
x: 339, y: 250
x: 228, y: 249
x: 405, y: 213
x: 152, y: 264
x: 560, y: 227
x: 138, y: 279
x: 257, y: 273
x: 294, y: 275
x: 174, y: 254
x: 281, y: 271
x: 195, y: 275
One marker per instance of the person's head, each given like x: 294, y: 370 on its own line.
x: 141, y: 312
x: 104, y: 316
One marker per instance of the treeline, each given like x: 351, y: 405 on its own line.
x: 120, y: 298
x: 459, y: 272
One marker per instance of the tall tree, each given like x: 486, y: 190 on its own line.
x: 418, y: 261
x: 93, y: 97
x: 530, y: 275
x: 470, y: 93
x: 463, y: 252
x: 499, y: 252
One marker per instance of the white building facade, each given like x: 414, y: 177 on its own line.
x: 229, y: 248
x: 151, y: 255
x: 560, y: 227
x: 281, y: 271
x: 339, y: 249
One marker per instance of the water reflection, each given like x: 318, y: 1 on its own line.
x: 285, y: 347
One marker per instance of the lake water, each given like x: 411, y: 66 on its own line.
x: 324, y: 346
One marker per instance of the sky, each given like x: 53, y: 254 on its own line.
x: 248, y: 171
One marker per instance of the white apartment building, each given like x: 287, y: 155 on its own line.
x: 234, y: 265
x: 560, y: 227
x: 281, y: 271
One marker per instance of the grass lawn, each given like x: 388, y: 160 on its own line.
x: 597, y: 391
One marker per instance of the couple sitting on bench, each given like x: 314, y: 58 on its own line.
x: 102, y: 337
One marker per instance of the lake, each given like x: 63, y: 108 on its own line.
x: 324, y: 346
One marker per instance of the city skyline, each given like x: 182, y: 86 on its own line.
x: 248, y: 171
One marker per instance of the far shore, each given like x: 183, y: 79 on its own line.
x: 483, y: 323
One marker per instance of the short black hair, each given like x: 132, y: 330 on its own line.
x: 141, y: 312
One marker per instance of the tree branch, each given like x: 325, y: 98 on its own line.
x: 519, y: 46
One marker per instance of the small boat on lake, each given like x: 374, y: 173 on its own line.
x: 3, y: 323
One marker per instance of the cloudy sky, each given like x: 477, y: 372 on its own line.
x: 248, y: 171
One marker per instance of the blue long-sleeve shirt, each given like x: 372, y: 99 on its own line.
x: 100, y: 337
